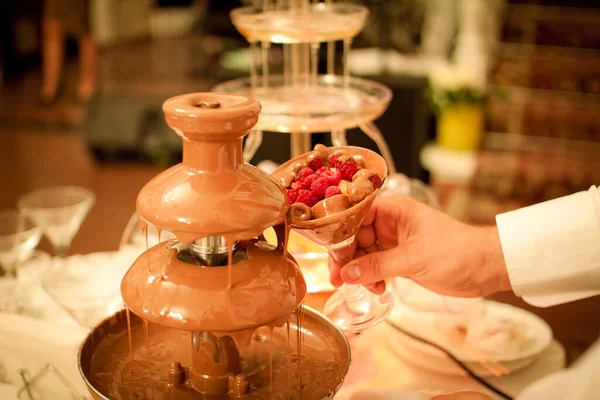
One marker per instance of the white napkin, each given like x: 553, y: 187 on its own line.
x: 481, y: 335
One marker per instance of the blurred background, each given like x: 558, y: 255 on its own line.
x: 495, y: 103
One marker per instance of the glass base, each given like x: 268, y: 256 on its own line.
x: 353, y: 308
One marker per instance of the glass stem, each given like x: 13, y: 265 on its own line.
x: 355, y: 297
x: 62, y: 250
x: 353, y: 290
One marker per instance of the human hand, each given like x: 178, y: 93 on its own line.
x: 402, y: 237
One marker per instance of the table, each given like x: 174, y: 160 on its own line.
x: 33, y: 159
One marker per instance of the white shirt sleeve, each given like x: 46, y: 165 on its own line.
x: 552, y: 249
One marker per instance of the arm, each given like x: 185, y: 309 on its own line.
x: 552, y: 249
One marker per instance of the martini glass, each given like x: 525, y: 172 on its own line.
x: 352, y: 308
x: 59, y: 211
x: 18, y: 237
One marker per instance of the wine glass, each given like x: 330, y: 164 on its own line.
x: 59, y: 211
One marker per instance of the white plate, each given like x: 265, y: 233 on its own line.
x: 538, y: 336
x: 31, y: 344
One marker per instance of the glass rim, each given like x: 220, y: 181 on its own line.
x: 31, y: 229
x: 23, y: 200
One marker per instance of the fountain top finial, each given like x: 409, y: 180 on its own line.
x: 211, y: 116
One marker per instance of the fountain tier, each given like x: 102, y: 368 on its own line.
x: 212, y: 192
x: 311, y: 23
x: 105, y: 362
x: 265, y: 288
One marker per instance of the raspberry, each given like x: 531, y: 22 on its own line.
x: 307, y: 197
x: 333, y: 159
x: 332, y: 191
x: 304, y: 172
x: 292, y: 195
x: 306, y: 182
x: 316, y: 164
x: 322, y: 170
x: 376, y: 181
x: 319, y: 186
x: 334, y: 176
x: 348, y: 169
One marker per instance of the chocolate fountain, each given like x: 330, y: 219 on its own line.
x: 216, y: 313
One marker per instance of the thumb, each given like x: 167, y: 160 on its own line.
x: 378, y: 266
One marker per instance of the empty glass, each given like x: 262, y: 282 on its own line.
x: 59, y: 211
x: 18, y: 237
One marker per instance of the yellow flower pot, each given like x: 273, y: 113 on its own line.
x: 460, y: 127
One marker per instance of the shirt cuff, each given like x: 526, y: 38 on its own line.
x: 552, y: 249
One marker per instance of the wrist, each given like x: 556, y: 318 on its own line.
x: 494, y: 263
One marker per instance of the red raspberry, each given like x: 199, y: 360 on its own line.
x: 292, y: 195
x: 306, y: 182
x: 334, y: 176
x: 319, y: 186
x: 304, y: 172
x: 307, y: 197
x: 332, y: 191
x: 333, y: 159
x: 321, y: 170
x: 376, y: 181
x: 316, y: 164
x: 348, y: 169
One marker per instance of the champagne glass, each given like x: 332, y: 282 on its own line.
x: 59, y: 211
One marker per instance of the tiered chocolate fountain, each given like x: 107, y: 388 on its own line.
x: 216, y: 313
